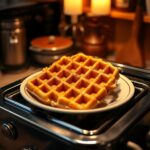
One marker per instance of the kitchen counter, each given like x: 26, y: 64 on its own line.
x: 7, y: 78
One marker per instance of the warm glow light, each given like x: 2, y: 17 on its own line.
x: 72, y: 7
x: 100, y: 7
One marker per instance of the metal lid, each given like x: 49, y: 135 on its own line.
x: 51, y: 44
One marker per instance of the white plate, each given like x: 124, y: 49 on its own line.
x: 119, y: 96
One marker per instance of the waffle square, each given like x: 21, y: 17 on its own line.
x: 74, y: 82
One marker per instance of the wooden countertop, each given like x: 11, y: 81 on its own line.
x: 7, y: 78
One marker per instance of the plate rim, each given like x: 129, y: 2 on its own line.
x: 38, y: 104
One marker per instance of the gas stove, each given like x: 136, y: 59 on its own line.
x: 26, y: 127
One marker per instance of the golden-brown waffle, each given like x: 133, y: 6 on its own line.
x: 76, y: 82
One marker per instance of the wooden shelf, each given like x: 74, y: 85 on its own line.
x: 127, y: 16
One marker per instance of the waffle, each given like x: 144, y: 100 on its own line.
x: 74, y: 82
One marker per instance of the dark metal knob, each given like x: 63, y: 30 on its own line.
x: 8, y: 130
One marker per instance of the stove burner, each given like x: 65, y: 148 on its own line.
x: 84, y: 130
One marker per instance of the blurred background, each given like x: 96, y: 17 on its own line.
x: 34, y: 33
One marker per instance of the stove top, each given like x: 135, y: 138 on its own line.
x: 86, y: 129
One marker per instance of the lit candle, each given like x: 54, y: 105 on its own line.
x: 100, y: 7
x: 72, y: 7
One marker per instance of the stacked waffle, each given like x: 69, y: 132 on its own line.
x: 76, y: 82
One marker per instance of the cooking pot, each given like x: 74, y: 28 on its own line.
x: 46, y: 49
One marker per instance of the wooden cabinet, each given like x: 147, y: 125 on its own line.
x: 120, y: 32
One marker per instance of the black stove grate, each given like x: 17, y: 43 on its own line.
x: 97, y: 122
x: 98, y: 128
